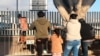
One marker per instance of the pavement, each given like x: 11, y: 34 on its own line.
x: 12, y: 48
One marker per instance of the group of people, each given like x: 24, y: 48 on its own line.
x: 77, y: 31
x: 78, y: 34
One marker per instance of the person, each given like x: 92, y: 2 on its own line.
x: 86, y: 36
x: 42, y: 27
x: 23, y: 28
x: 73, y: 39
x: 56, y: 43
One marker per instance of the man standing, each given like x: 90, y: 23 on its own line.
x: 87, y: 36
x: 42, y: 27
x: 73, y: 39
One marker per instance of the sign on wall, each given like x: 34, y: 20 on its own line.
x: 38, y: 5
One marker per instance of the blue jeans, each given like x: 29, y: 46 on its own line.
x: 84, y: 48
x: 72, y: 46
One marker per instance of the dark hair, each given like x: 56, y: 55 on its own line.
x: 57, y: 31
x: 41, y: 14
x: 73, y: 16
x: 22, y: 17
x: 19, y: 15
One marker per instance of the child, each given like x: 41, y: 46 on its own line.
x: 56, y: 43
x: 24, y: 28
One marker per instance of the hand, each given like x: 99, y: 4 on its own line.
x: 39, y: 40
x: 54, y: 26
x: 49, y: 37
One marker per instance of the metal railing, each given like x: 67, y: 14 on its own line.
x: 9, y: 30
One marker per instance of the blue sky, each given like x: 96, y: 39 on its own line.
x: 24, y: 5
x: 95, y: 6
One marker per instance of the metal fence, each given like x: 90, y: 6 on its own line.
x: 9, y: 21
x: 9, y: 30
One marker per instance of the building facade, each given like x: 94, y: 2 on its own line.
x: 38, y: 5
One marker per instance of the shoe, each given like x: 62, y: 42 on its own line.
x: 44, y: 52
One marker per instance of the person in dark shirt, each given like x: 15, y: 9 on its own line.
x: 86, y: 36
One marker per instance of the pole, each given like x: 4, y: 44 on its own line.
x: 16, y: 19
x: 17, y: 5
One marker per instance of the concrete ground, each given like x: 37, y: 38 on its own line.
x: 12, y: 48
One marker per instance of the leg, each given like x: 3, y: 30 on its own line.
x: 39, y: 47
x: 30, y: 47
x: 59, y: 54
x: 45, y: 42
x: 68, y: 47
x: 54, y: 54
x: 49, y: 47
x: 76, y: 47
x: 84, y: 48
x: 22, y: 37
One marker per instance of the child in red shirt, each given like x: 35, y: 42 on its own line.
x: 23, y: 29
x: 56, y: 42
